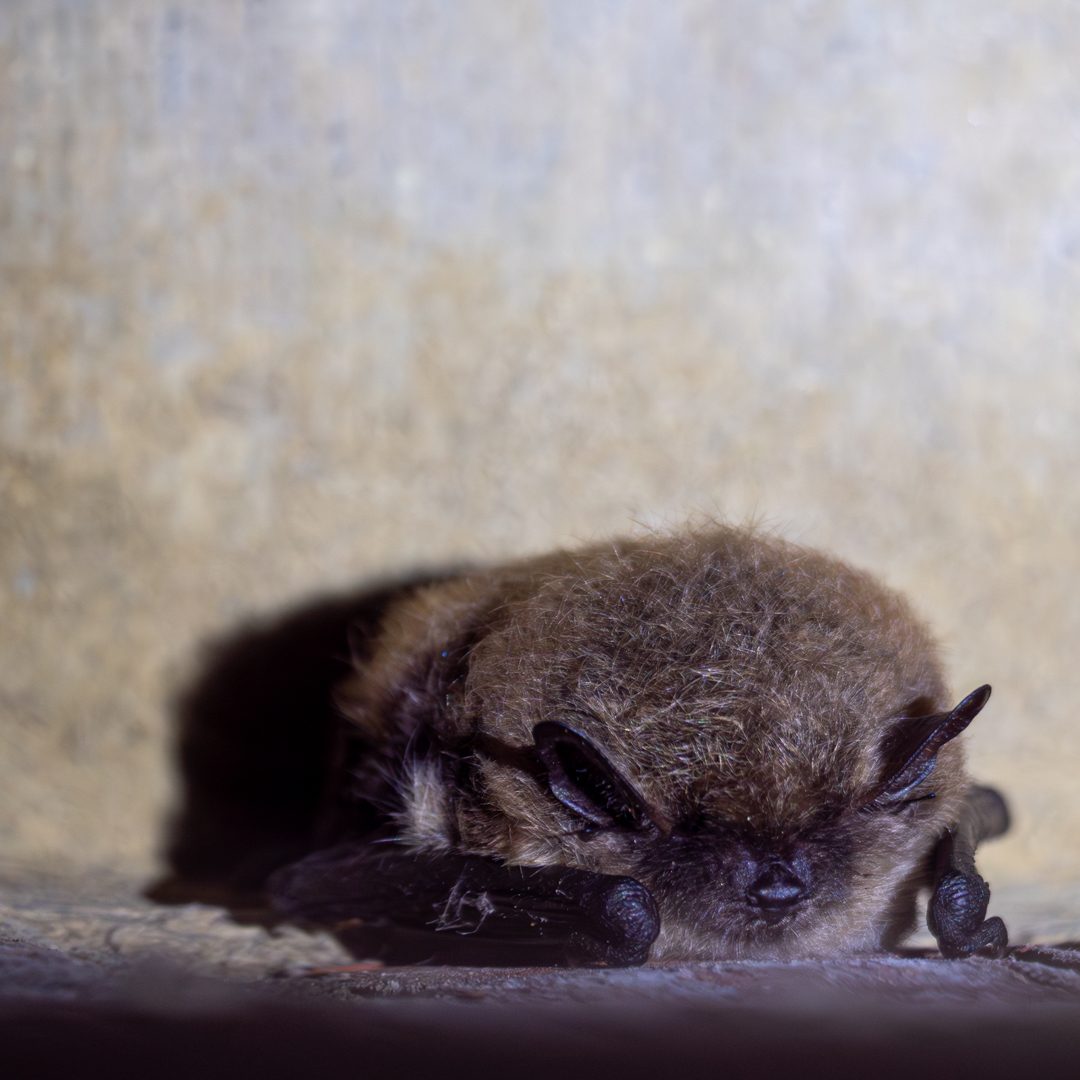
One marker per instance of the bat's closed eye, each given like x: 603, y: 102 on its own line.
x: 906, y: 804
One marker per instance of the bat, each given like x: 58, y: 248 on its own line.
x: 714, y: 744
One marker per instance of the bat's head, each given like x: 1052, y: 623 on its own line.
x: 756, y: 732
x: 833, y: 870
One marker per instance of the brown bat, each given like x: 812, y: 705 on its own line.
x: 712, y: 745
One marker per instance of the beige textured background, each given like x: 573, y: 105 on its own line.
x: 293, y: 294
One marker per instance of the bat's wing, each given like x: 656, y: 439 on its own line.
x: 449, y: 907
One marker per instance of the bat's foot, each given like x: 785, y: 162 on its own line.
x: 957, y: 917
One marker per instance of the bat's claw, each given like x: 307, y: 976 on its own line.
x: 626, y: 912
x: 957, y: 918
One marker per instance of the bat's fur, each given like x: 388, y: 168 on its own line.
x: 744, y: 686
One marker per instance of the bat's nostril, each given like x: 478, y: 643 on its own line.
x: 776, y: 889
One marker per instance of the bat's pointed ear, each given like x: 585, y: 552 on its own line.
x: 912, y: 747
x: 583, y: 780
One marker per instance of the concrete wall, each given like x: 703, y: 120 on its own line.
x: 297, y: 293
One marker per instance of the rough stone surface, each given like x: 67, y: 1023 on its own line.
x: 294, y: 295
x: 72, y: 932
x: 91, y: 973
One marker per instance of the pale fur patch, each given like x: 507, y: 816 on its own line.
x: 424, y: 820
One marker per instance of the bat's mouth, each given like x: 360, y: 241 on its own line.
x: 773, y: 918
x: 746, y: 940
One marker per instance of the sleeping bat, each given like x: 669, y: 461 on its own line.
x: 713, y: 744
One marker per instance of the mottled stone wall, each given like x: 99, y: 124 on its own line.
x: 297, y: 293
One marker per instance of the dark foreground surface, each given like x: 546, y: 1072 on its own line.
x: 97, y: 982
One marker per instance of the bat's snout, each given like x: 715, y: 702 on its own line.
x: 776, y: 890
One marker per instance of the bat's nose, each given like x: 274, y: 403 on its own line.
x: 777, y: 888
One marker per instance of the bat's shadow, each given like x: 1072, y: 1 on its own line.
x: 255, y: 733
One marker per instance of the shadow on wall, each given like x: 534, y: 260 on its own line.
x: 259, y: 744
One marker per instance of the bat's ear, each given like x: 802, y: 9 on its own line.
x: 912, y: 748
x: 584, y: 781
